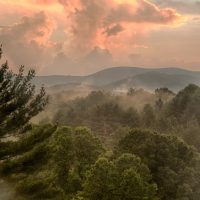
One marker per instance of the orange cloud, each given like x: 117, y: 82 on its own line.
x: 142, y: 11
x: 28, y: 41
x: 44, y: 1
x: 104, y: 22
x: 91, y: 23
x: 103, y: 29
x: 30, y: 6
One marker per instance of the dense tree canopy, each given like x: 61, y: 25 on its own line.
x: 185, y: 104
x: 109, y: 116
x: 64, y: 163
x: 174, y: 165
x: 125, y: 178
x: 50, y: 162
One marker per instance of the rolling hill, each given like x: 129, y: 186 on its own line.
x: 124, y: 77
x: 154, y: 79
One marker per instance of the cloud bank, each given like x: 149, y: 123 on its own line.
x: 81, y: 36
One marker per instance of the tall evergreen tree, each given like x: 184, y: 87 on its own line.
x: 18, y: 99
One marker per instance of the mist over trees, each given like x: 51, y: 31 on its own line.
x: 103, y: 146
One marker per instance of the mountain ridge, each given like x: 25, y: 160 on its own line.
x: 142, y: 77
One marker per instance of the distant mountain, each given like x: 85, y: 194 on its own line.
x: 124, y: 77
x: 110, y: 75
x: 71, y: 86
x: 100, y: 78
x: 155, y: 79
x: 48, y: 81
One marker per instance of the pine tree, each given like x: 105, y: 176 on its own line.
x: 18, y: 99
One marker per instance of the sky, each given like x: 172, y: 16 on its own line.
x: 80, y: 37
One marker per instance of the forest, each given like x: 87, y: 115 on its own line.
x: 98, y: 146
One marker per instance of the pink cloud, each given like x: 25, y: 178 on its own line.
x: 27, y: 41
x: 103, y: 29
x: 88, y: 21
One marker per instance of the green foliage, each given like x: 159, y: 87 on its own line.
x: 106, y: 115
x: 131, y: 118
x: 27, y: 141
x: 164, y: 93
x: 18, y: 102
x: 29, y: 161
x: 39, y: 187
x: 148, y: 116
x: 125, y: 178
x: 51, y: 162
x: 185, y: 105
x: 191, y: 133
x: 173, y: 164
x: 69, y: 163
x: 101, y: 112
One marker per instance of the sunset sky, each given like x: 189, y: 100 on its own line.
x: 84, y: 36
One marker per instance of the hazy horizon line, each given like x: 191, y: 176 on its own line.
x: 104, y: 69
